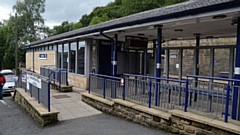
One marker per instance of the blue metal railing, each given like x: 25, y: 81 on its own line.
x: 42, y: 93
x: 161, y: 92
x: 213, y: 97
x: 56, y: 75
x: 106, y: 86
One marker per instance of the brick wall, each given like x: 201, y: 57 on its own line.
x: 51, y: 60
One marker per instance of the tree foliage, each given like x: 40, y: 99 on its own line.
x: 30, y: 27
x: 31, y: 24
x: 121, y: 8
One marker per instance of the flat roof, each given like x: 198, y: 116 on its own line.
x: 184, y: 15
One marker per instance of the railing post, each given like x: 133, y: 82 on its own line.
x: 150, y: 94
x: 113, y: 89
x: 38, y: 96
x: 124, y: 88
x: 186, y: 96
x: 48, y: 89
x: 89, y: 83
x: 26, y: 83
x: 67, y: 78
x: 104, y: 88
x: 53, y: 78
x: 59, y: 79
x: 157, y: 92
x: 30, y: 89
x: 227, y: 103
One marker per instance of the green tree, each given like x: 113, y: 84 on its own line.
x: 97, y: 19
x: 116, y: 9
x: 77, y: 25
x: 30, y: 27
x: 30, y: 20
x: 85, y: 20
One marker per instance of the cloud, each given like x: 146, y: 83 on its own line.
x: 4, y: 14
x: 57, y: 11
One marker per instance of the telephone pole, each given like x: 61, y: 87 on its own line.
x: 16, y: 45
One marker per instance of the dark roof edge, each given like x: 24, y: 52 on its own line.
x: 216, y: 7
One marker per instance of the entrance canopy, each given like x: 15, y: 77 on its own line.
x: 210, y: 18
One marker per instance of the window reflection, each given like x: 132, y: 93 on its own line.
x: 65, y: 56
x: 72, y: 57
x: 59, y: 49
x: 81, y: 58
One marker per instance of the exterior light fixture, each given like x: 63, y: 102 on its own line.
x: 219, y: 16
x: 178, y: 30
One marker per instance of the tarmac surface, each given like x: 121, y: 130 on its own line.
x: 15, y: 121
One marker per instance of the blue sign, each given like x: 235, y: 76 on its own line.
x: 43, y: 56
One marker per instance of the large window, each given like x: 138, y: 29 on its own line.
x: 174, y: 63
x: 81, y: 58
x: 204, y: 62
x: 59, y: 50
x: 65, y: 56
x: 188, y: 62
x: 46, y: 48
x: 73, y: 47
x: 94, y: 56
x: 54, y: 47
x: 50, y: 47
x: 221, y: 61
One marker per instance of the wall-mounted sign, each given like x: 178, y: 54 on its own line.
x: 43, y: 56
x: 173, y: 56
x: 34, y: 81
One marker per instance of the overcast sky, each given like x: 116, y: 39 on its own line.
x: 57, y: 11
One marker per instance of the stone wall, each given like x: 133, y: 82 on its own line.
x: 29, y: 61
x: 50, y: 60
x: 34, y: 109
x: 79, y: 81
x: 174, y: 121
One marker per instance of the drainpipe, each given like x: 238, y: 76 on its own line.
x: 114, y: 52
x: 114, y: 61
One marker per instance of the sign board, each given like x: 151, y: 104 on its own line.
x: 173, y: 56
x: 34, y: 81
x: 177, y: 65
x: 43, y: 56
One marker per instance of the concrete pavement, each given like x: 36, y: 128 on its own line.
x: 15, y: 121
x: 70, y: 105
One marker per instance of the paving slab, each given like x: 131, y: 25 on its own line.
x: 70, y: 106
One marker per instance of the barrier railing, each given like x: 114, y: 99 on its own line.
x: 212, y: 97
x: 36, y: 85
x: 152, y: 91
x: 106, y: 86
x: 56, y: 75
x: 160, y: 92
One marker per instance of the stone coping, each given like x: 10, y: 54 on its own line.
x: 145, y: 109
x: 100, y: 99
x: 139, y: 107
x: 214, y: 122
x: 42, y: 110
